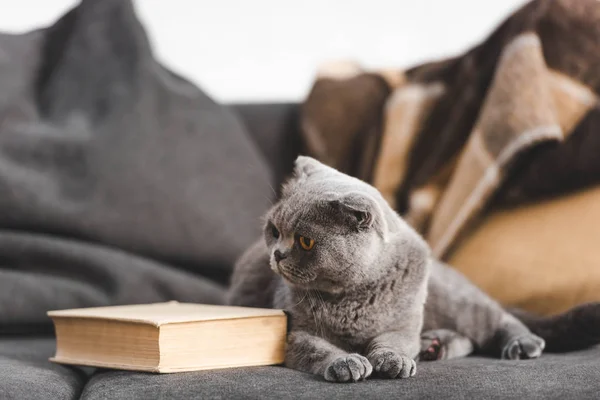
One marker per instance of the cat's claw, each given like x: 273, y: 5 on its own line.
x: 350, y: 368
x: 523, y: 347
x: 389, y: 364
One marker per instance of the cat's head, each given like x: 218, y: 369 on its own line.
x: 327, y: 230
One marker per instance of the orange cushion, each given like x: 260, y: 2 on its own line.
x: 543, y: 257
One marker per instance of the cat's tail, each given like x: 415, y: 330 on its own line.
x: 574, y: 329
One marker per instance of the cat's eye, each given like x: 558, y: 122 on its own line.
x: 306, y: 243
x: 274, y: 232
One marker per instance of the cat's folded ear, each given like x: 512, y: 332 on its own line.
x: 364, y: 211
x: 306, y: 166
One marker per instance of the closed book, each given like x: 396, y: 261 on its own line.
x: 169, y: 337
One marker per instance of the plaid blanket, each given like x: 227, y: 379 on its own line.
x: 514, y: 119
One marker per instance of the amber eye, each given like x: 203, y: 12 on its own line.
x: 306, y: 243
x: 274, y: 232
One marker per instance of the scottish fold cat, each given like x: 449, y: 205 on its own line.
x: 363, y: 293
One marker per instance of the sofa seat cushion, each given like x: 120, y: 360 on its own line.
x: 573, y: 375
x: 26, y: 373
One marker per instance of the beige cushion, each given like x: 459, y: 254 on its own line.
x: 543, y: 257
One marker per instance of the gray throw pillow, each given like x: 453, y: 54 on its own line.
x: 104, y: 151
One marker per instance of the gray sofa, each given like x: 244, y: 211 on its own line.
x: 27, y: 375
x: 121, y: 182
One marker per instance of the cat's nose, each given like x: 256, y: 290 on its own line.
x: 279, y: 255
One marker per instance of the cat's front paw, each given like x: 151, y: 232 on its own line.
x: 523, y: 347
x: 350, y: 368
x: 389, y: 364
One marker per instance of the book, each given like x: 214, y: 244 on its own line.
x: 169, y: 337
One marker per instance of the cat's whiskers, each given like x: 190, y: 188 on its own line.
x: 320, y: 300
x: 313, y: 301
x: 310, y: 300
x: 320, y: 297
x: 272, y: 189
x: 301, y: 300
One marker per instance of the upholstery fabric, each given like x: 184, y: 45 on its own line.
x: 573, y: 376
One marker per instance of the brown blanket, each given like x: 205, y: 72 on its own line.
x: 513, y: 119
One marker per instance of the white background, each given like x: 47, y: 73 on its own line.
x: 268, y: 50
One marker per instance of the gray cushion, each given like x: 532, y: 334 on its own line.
x: 25, y: 372
x: 275, y: 130
x: 573, y: 376
x: 120, y: 182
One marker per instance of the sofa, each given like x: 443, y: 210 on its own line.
x: 121, y: 182
x: 26, y: 372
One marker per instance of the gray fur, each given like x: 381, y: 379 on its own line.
x: 358, y: 301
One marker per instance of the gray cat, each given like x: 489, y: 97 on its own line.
x: 363, y: 294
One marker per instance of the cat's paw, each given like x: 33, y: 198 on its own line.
x: 350, y: 368
x: 523, y: 347
x: 389, y: 364
x: 431, y: 350
x: 443, y: 344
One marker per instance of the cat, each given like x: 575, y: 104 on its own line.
x: 363, y: 294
